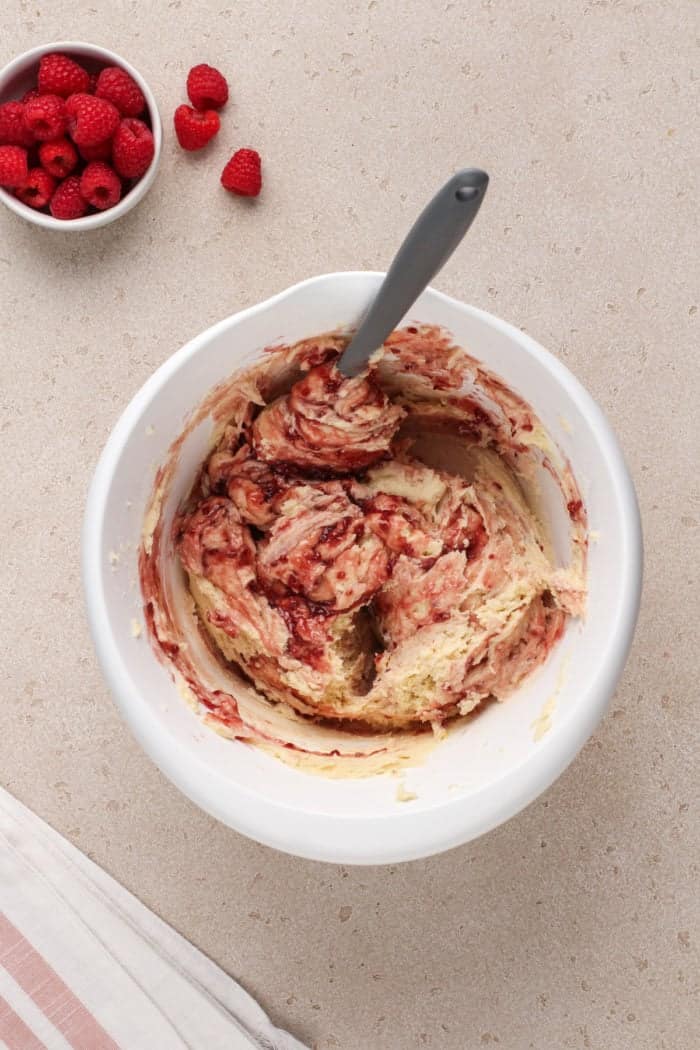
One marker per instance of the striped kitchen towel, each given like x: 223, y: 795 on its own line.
x: 85, y: 965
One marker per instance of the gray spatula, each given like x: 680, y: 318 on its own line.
x: 431, y: 241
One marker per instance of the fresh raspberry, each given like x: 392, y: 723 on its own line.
x: 195, y: 129
x: 206, y: 87
x: 58, y: 158
x: 242, y: 173
x: 37, y: 189
x: 29, y: 95
x: 13, y: 166
x: 67, y: 202
x: 13, y: 131
x: 100, y: 185
x: 100, y: 151
x: 90, y: 120
x: 60, y: 75
x: 45, y: 117
x: 132, y: 148
x: 121, y: 90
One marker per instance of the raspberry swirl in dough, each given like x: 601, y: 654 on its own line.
x: 348, y: 579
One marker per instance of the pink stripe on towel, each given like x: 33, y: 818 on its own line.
x: 14, y: 1033
x: 52, y: 995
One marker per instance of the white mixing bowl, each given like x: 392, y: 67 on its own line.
x: 486, y: 770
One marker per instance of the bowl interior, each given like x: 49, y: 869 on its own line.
x: 486, y: 769
x: 19, y: 76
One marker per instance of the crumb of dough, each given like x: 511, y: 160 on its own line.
x: 403, y: 795
x: 150, y: 430
x: 566, y: 425
x: 151, y: 519
x: 187, y: 695
x: 594, y: 535
x: 135, y: 628
x: 543, y: 723
x: 114, y: 559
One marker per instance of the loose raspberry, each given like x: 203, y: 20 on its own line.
x: 242, y: 173
x: 90, y: 120
x: 37, y: 189
x: 67, y: 202
x: 13, y: 166
x: 100, y: 185
x: 121, y: 90
x: 206, y: 87
x: 13, y: 131
x: 100, y: 151
x: 58, y: 158
x: 29, y: 95
x: 60, y: 75
x: 132, y: 148
x: 45, y: 117
x: 195, y: 129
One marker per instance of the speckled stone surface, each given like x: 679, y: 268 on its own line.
x: 576, y: 924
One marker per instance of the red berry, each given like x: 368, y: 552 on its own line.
x: 121, y: 90
x: 60, y: 75
x: 67, y: 203
x: 132, y: 148
x: 195, y: 129
x: 100, y: 151
x: 45, y: 117
x: 13, y: 166
x: 100, y: 185
x: 29, y: 95
x: 206, y: 87
x: 90, y: 120
x: 58, y: 158
x: 37, y: 189
x: 242, y: 173
x: 13, y: 130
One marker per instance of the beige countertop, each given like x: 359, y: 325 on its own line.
x: 577, y: 923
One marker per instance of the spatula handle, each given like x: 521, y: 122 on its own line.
x: 429, y: 244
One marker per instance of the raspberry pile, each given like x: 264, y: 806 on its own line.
x: 77, y: 142
x: 197, y: 124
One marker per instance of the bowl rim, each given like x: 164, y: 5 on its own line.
x: 405, y: 835
x: 137, y: 192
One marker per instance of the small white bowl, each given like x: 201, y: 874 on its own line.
x: 19, y: 76
x: 486, y: 770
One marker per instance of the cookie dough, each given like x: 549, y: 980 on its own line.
x: 345, y: 574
